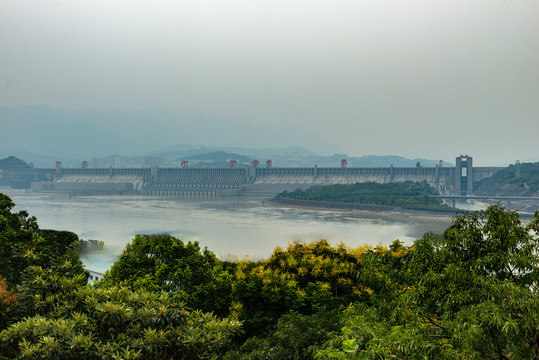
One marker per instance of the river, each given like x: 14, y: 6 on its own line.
x: 230, y: 227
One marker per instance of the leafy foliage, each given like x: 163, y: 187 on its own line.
x: 471, y: 294
x: 165, y: 263
x: 17, y: 232
x: 296, y: 337
x: 90, y: 246
x: 527, y: 175
x: 7, y: 301
x: 24, y: 245
x: 304, y: 278
x: 410, y: 195
x: 387, y: 272
x: 368, y: 334
x: 58, y: 316
x: 111, y: 322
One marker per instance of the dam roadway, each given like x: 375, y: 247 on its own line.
x: 236, y: 181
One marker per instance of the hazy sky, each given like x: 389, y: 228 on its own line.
x: 418, y: 78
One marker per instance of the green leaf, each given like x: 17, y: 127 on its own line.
x: 350, y: 345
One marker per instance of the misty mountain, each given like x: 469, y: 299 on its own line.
x: 186, y: 150
x: 216, y: 159
x: 386, y: 161
x: 86, y: 134
x: 124, y: 138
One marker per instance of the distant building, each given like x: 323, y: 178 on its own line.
x: 464, y: 175
x: 94, y: 276
x: 98, y: 163
x: 151, y: 161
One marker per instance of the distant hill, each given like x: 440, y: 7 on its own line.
x: 44, y: 135
x: 85, y: 134
x: 388, y: 160
x: 187, y: 150
x: 8, y: 163
x: 12, y: 162
x: 215, y: 159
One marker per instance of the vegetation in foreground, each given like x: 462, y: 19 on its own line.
x: 407, y: 195
x: 470, y: 293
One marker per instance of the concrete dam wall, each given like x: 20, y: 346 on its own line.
x: 239, y: 181
x: 174, y: 181
x: 121, y: 181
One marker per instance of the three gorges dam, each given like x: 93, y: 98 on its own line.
x: 236, y: 181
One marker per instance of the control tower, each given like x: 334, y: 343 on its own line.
x: 464, y: 175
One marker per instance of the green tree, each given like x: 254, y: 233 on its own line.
x: 305, y: 278
x: 165, y: 263
x: 525, y: 175
x: 369, y: 333
x: 472, y: 294
x: 111, y: 322
x: 296, y: 337
x: 17, y: 234
x: 23, y: 245
x: 410, y: 195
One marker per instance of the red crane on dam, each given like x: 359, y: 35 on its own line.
x: 344, y: 163
x: 184, y: 164
x: 233, y: 164
x: 255, y: 163
x: 269, y: 164
x: 84, y: 164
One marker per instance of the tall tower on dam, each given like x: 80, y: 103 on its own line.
x: 464, y: 175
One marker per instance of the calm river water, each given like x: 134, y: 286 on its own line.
x: 230, y: 227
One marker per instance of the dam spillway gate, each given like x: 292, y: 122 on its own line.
x: 234, y: 181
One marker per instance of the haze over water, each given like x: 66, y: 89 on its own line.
x: 229, y: 227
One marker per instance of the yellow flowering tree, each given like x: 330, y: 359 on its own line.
x: 303, y: 278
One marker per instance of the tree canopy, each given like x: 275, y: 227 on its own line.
x: 410, y: 195
x: 83, y: 322
x: 523, y: 175
x: 47, y: 310
x: 471, y: 292
x: 164, y: 263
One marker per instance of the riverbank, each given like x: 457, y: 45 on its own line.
x: 362, y: 209
x: 375, y: 211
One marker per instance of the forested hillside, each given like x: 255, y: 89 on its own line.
x: 469, y: 293
x: 12, y: 162
x: 525, y: 176
x: 409, y: 195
